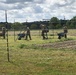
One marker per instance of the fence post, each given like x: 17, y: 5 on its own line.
x: 7, y: 35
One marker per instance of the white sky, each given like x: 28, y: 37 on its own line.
x: 36, y: 10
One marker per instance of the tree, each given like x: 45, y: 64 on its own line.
x: 68, y: 24
x: 33, y: 26
x: 54, y: 21
x: 18, y: 26
x: 71, y: 23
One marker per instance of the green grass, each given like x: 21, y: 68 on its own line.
x: 28, y: 59
x: 36, y: 62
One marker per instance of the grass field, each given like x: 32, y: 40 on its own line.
x: 26, y: 58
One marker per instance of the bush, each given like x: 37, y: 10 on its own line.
x: 22, y: 46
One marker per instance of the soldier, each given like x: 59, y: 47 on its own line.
x: 43, y: 31
x: 28, y: 34
x: 46, y: 31
x: 65, y: 31
x: 3, y: 32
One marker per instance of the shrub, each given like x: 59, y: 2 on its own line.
x: 22, y: 46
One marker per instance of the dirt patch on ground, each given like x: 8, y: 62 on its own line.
x: 61, y: 45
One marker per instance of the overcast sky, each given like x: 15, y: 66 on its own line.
x: 36, y: 10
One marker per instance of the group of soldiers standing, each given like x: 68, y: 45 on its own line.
x: 43, y: 33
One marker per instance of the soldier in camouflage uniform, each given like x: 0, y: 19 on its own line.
x: 28, y: 34
x: 65, y: 31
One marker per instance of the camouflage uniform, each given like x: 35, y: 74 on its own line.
x: 3, y: 32
x: 65, y: 32
x: 28, y: 33
x: 43, y: 33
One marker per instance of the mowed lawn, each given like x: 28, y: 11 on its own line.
x: 28, y: 59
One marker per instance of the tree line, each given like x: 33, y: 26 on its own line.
x: 53, y: 23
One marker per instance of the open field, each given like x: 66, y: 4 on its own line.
x: 39, y: 57
x: 71, y: 32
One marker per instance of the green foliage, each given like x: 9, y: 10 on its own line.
x: 33, y: 26
x: 58, y: 26
x: 18, y: 26
x: 23, y: 46
x: 71, y: 23
x: 54, y: 22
